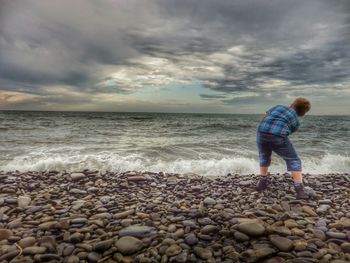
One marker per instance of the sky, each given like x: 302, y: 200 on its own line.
x: 215, y: 56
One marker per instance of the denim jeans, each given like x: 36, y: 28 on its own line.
x: 268, y: 143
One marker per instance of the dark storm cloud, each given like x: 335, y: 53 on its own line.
x: 119, y: 47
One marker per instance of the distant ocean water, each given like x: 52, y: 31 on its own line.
x: 206, y: 144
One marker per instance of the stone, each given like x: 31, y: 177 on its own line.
x: 337, y: 235
x: 209, y: 201
x: 128, y: 245
x: 308, y: 210
x: 27, y: 242
x: 252, y: 228
x: 251, y: 256
x: 9, y: 255
x: 319, y: 234
x: 298, y: 232
x: 136, y: 178
x: 230, y: 253
x: 281, y: 230
x: 246, y: 183
x: 5, y: 234
x: 191, y: 239
x: 190, y: 223
x: 345, y: 247
x: 77, y: 176
x: 34, y: 250
x: 173, y: 250
x: 76, y: 238
x: 209, y: 229
x: 241, y: 237
x: 73, y: 259
x: 23, y: 201
x: 93, y: 189
x: 138, y: 231
x: 48, y: 225
x: 46, y: 257
x: 275, y: 260
x: 77, y: 191
x: 282, y: 243
x: 93, y: 257
x: 290, y: 223
x: 124, y: 214
x: 300, y: 245
x: 203, y: 253
x: 323, y: 209
x: 50, y: 243
x: 103, y: 245
x: 105, y: 199
x: 79, y: 220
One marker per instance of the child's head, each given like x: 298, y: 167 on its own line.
x: 301, y: 106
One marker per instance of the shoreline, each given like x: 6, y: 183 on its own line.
x: 155, y: 217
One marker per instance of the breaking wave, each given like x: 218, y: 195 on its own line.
x: 107, y: 161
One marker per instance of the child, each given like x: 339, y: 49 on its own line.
x: 272, y: 136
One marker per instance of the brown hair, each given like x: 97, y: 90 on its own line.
x: 301, y: 106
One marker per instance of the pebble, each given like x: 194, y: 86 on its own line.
x: 209, y: 201
x: 77, y: 176
x: 23, y: 201
x: 251, y: 228
x: 319, y: 234
x: 173, y: 250
x: 336, y: 235
x: 128, y: 245
x: 203, y: 253
x: 323, y: 208
x: 191, y: 239
x: 138, y: 231
x: 345, y: 247
x: 93, y: 257
x: 209, y: 229
x: 256, y: 255
x: 5, y: 234
x: 27, y: 242
x: 34, y: 250
x: 241, y: 237
x: 308, y: 210
x: 103, y: 245
x: 282, y: 243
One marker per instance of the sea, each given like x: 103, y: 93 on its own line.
x: 205, y: 144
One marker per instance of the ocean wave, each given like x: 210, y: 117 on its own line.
x: 107, y: 161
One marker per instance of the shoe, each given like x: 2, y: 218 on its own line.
x: 299, y: 189
x: 262, y: 184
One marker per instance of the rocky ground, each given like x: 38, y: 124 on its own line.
x: 148, y: 217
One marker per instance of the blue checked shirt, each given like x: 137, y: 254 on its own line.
x: 279, y: 120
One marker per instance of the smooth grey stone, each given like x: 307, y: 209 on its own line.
x: 138, y: 231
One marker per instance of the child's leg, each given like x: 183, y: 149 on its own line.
x: 288, y: 153
x: 297, y: 177
x: 265, y: 152
x: 285, y: 149
x: 264, y: 170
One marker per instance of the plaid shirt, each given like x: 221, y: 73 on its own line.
x: 279, y: 120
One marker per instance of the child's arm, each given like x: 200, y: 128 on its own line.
x: 294, y: 125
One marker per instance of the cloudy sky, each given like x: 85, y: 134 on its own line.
x: 219, y: 56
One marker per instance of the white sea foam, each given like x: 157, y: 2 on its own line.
x: 75, y: 161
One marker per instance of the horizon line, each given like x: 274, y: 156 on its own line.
x: 158, y: 112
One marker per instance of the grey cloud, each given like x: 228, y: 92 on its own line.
x: 83, y: 43
x: 209, y: 96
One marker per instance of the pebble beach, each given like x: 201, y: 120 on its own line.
x: 91, y: 216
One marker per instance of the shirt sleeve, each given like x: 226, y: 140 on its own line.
x: 294, y: 124
x: 270, y: 110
